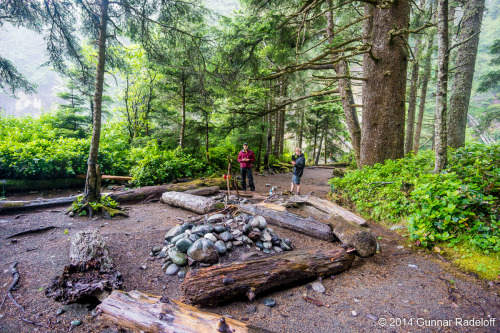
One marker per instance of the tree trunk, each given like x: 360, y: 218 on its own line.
x: 269, y: 139
x: 301, y: 128
x: 423, y: 94
x: 140, y: 312
x: 277, y: 134
x: 193, y: 203
x: 385, y: 87
x: 345, y: 91
x: 90, y: 276
x: 464, y: 73
x: 183, y: 105
x: 316, y: 161
x: 93, y: 184
x: 207, y: 137
x: 442, y: 87
x: 229, y: 282
x: 286, y: 220
x: 412, y: 100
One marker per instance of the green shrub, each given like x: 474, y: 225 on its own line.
x: 459, y: 204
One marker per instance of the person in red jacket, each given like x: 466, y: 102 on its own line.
x: 246, y: 157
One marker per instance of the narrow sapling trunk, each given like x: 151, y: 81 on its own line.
x: 442, y: 87
x: 93, y: 181
x: 183, y: 105
x: 412, y: 101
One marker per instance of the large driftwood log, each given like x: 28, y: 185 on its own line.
x: 229, y: 282
x: 147, y: 313
x: 204, y: 191
x: 286, y: 220
x: 90, y: 275
x: 193, y: 203
x: 134, y: 195
x: 354, y: 235
x: 327, y: 207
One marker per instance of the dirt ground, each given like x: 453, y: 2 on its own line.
x: 400, y: 289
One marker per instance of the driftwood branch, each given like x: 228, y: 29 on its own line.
x: 16, y: 276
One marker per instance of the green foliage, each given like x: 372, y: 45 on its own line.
x: 80, y: 205
x: 458, y: 204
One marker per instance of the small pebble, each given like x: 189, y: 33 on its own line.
x: 59, y: 312
x: 372, y: 317
x: 413, y: 266
x: 71, y: 214
x: 143, y: 267
x: 269, y: 302
x: 354, y: 313
x: 76, y: 322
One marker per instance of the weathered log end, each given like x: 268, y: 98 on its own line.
x: 141, y: 312
x: 193, y: 203
x: 91, y: 275
x: 352, y: 234
x: 249, y: 279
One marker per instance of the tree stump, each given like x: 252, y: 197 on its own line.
x: 148, y: 313
x: 230, y: 282
x: 90, y: 276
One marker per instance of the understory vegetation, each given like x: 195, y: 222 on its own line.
x: 457, y: 206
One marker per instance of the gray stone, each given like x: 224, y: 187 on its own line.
x: 203, y: 250
x: 175, y: 231
x: 251, y: 309
x: 216, y: 218
x: 254, y: 235
x: 318, y: 287
x: 226, y: 236
x: 177, y: 238
x: 172, y: 269
x: 237, y: 243
x: 269, y: 302
x: 71, y: 214
x: 165, y: 265
x: 266, y: 251
x: 259, y: 244
x: 246, y: 240
x: 236, y: 233
x: 219, y: 228
x: 277, y: 249
x: 354, y: 313
x: 182, y: 272
x: 183, y: 244
x: 230, y: 221
x: 266, y: 236
x: 188, y: 232
x: 250, y: 255
x: 285, y: 246
x: 267, y: 245
x: 177, y: 257
x: 239, y: 238
x: 194, y: 237
x: 211, y: 236
x: 202, y: 229
x: 229, y: 246
x: 77, y: 322
x: 221, y: 247
x: 247, y: 228
x: 259, y: 222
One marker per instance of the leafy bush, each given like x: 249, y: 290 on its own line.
x: 461, y: 203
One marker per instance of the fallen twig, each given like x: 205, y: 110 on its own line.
x: 33, y: 323
x: 32, y: 231
x: 315, y: 301
x: 15, y: 280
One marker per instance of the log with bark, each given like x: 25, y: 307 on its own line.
x: 193, y: 203
x: 351, y: 234
x: 133, y: 195
x: 238, y: 280
x: 286, y: 220
x: 90, y: 276
x: 141, y: 312
x: 204, y: 191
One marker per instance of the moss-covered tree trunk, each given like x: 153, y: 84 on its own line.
x: 465, y: 64
x: 93, y: 181
x: 384, y: 90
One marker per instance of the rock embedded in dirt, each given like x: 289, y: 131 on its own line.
x: 204, y: 251
x: 318, y: 287
x: 183, y: 244
x: 172, y: 269
x: 354, y: 313
x: 77, y: 322
x: 269, y: 302
x: 177, y: 257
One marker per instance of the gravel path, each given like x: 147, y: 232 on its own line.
x: 410, y: 290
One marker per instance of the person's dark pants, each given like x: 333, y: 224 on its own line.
x: 244, y: 173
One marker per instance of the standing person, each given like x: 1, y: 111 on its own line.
x: 299, y: 162
x: 246, y: 158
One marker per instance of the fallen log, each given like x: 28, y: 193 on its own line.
x: 90, y: 276
x: 123, y: 178
x: 36, y: 230
x: 327, y: 207
x: 230, y: 282
x: 352, y: 234
x: 204, y: 191
x: 286, y: 220
x: 141, y: 312
x: 193, y: 203
x: 133, y: 195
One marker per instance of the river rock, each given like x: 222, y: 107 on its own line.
x: 165, y: 265
x: 219, y: 228
x: 183, y: 244
x: 266, y: 251
x: 236, y: 233
x: 175, y: 231
x: 247, y: 228
x: 203, y: 250
x: 221, y: 247
x: 216, y: 218
x: 259, y: 222
x: 246, y: 240
x: 177, y: 257
x: 202, y: 229
x: 182, y: 272
x: 156, y: 249
x: 318, y: 287
x: 172, y: 269
x: 259, y: 244
x: 277, y: 249
x: 211, y: 237
x: 229, y: 246
x: 266, y: 236
x: 267, y: 245
x: 194, y: 237
x: 285, y: 246
x: 254, y: 235
x: 177, y: 238
x: 226, y: 236
x: 237, y: 243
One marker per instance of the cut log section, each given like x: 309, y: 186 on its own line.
x: 193, y: 203
x: 90, y: 276
x: 230, y: 282
x: 354, y: 235
x: 286, y: 220
x: 148, y: 313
